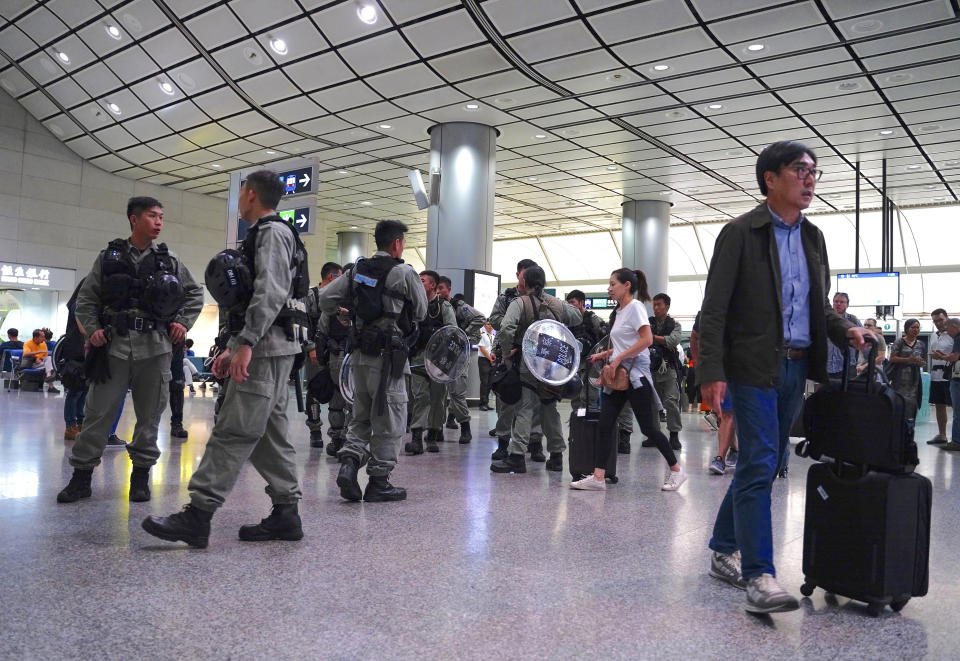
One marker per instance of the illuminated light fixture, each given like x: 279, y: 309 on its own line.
x: 366, y: 12
x: 271, y: 152
x: 353, y: 227
x: 914, y: 167
x: 540, y: 136
x: 341, y: 172
x: 215, y: 165
x: 665, y: 192
x: 756, y: 48
x: 531, y: 178
x: 366, y: 204
x: 930, y: 187
x: 167, y: 88
x: 114, y: 108
x: 472, y: 106
x: 612, y: 168
x: 279, y: 46
x: 113, y: 32
x: 386, y: 127
x: 63, y: 57
x: 885, y: 132
x: 660, y: 67
x: 715, y: 106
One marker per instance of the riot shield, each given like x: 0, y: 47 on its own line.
x: 551, y: 352
x: 445, y: 356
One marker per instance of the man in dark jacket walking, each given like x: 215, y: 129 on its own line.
x: 763, y: 332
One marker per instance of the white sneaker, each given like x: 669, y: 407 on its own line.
x: 764, y: 595
x: 589, y: 483
x: 674, y: 479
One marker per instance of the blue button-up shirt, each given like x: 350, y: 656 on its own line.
x: 795, y: 282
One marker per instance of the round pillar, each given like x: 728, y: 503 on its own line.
x: 460, y: 217
x: 646, y: 224
x: 351, y: 246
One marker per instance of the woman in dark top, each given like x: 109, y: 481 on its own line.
x: 907, y: 355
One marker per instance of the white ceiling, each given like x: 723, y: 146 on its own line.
x: 580, y: 72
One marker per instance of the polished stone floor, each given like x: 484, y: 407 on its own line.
x: 472, y: 566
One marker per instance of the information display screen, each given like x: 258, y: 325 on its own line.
x: 865, y: 289
x: 486, y: 288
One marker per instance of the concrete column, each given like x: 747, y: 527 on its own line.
x: 646, y: 224
x: 353, y: 245
x: 460, y: 217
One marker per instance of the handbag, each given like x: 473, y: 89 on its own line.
x: 618, y: 379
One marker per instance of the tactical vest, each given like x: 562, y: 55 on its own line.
x: 373, y: 325
x: 431, y: 323
x: 124, y: 288
x: 671, y: 358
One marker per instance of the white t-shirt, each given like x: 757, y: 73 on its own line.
x: 625, y: 333
x: 486, y: 341
x: 944, y: 342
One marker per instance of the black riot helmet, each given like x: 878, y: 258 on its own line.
x: 228, y: 278
x: 163, y: 295
x: 571, y: 388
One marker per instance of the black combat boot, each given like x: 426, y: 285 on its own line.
x: 139, y: 484
x: 451, y: 421
x: 465, y: 435
x: 77, y: 488
x: 514, y: 463
x: 415, y: 444
x: 433, y: 437
x: 333, y: 447
x: 379, y: 490
x: 492, y: 432
x: 555, y: 462
x: 648, y: 443
x: 536, y: 451
x: 501, y: 451
x: 675, y: 441
x: 316, y: 439
x: 191, y: 525
x: 623, y: 442
x: 177, y: 431
x: 283, y: 523
x: 347, y: 479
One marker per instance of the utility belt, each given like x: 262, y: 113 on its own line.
x: 292, y: 319
x: 124, y: 322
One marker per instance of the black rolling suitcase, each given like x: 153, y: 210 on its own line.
x: 866, y: 535
x: 584, y: 432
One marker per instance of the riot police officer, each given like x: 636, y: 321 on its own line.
x: 471, y: 321
x: 386, y: 300
x: 532, y: 304
x: 333, y: 335
x: 328, y: 273
x: 137, y: 300
x: 267, y: 324
x: 428, y: 396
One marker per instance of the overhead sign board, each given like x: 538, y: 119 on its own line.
x: 299, y: 218
x: 17, y: 276
x: 299, y: 181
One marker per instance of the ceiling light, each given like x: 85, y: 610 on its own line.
x: 612, y: 168
x: 674, y: 114
x: 885, y: 132
x: 866, y: 26
x: 848, y: 86
x: 503, y: 100
x: 755, y: 48
x: 186, y: 81
x: 279, y: 46
x: 914, y: 167
x: 114, y: 108
x: 366, y: 204
x: 113, y: 32
x: 591, y: 201
x: 531, y: 178
x: 899, y: 77
x: 715, y: 106
x: 271, y: 152
x: 63, y: 57
x: 386, y: 127
x: 665, y: 192
x: 353, y: 227
x: 366, y: 12
x: 540, y: 136
x: 930, y: 127
x: 660, y: 67
x: 472, y: 106
x: 215, y: 165
x: 341, y: 172
x: 167, y: 88
x: 930, y: 187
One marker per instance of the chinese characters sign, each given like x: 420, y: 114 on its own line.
x: 19, y: 274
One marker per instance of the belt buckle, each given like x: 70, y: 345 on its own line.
x: 138, y: 323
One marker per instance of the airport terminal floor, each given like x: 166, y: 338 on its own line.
x: 473, y: 565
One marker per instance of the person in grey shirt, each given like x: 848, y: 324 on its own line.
x: 386, y: 298
x: 131, y: 311
x: 252, y: 421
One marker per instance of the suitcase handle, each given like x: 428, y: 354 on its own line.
x: 871, y: 365
x: 803, y: 449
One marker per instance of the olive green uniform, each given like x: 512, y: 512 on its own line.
x: 429, y: 410
x: 252, y: 421
x: 139, y: 360
x: 374, y: 436
x: 471, y: 321
x: 338, y: 411
x: 314, y: 421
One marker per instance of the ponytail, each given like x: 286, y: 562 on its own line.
x: 637, y: 281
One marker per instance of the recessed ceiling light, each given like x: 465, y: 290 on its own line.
x: 341, y: 172
x: 215, y: 165
x: 930, y: 187
x: 353, y: 227
x: 848, y: 86
x: 531, y: 178
x: 591, y: 201
x: 756, y: 48
x: 271, y: 152
x: 866, y: 26
x: 612, y: 168
x: 914, y: 167
x: 63, y: 57
x: 661, y: 67
x: 186, y: 81
x: 472, y: 106
x: 715, y: 106
x: 540, y: 136
x: 113, y: 31
x: 674, y: 114
x: 132, y: 23
x: 386, y: 127
x: 614, y: 78
x: 114, y: 108
x: 834, y: 196
x: 899, y: 77
x: 885, y: 132
x: 367, y: 12
x: 503, y: 100
x: 666, y: 192
x: 366, y: 203
x: 279, y: 46
x: 930, y: 127
x: 167, y: 88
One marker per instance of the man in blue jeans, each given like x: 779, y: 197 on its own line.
x: 764, y: 327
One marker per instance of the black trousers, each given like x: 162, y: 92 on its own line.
x: 484, y: 366
x: 177, y: 382
x: 641, y: 401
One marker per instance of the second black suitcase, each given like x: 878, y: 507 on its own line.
x: 584, y: 432
x: 866, y: 536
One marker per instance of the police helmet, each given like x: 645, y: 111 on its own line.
x: 228, y: 278
x: 571, y: 388
x: 163, y: 296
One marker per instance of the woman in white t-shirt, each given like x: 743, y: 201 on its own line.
x: 630, y: 336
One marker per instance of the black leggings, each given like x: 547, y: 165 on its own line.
x: 640, y: 401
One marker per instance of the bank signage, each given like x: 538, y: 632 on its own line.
x: 20, y: 276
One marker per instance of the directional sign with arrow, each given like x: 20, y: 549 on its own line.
x: 297, y: 182
x: 299, y: 218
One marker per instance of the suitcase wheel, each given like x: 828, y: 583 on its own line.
x: 807, y: 589
x: 898, y: 604
x: 875, y: 608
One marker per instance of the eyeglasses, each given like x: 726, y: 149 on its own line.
x: 802, y: 172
